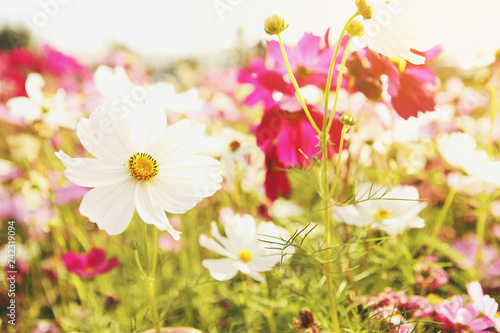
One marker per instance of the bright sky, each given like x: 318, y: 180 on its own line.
x: 166, y: 28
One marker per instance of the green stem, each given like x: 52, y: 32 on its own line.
x: 243, y: 302
x: 270, y: 312
x: 442, y: 216
x: 332, y: 65
x: 339, y: 82
x: 345, y: 128
x: 151, y: 290
x: 482, y: 213
x: 296, y: 86
x: 145, y: 239
x: 328, y: 232
x: 493, y: 115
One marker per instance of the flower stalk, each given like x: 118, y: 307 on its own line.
x: 326, y: 192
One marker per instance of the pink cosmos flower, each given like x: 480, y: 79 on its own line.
x: 69, y: 193
x: 288, y: 139
x: 89, y: 265
x: 457, y: 318
x: 430, y: 276
x: 467, y: 247
x: 410, y: 87
x: 266, y: 83
x: 484, y: 304
x: 309, y: 59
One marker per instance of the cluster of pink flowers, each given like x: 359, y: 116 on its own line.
x: 285, y: 134
x: 401, y: 313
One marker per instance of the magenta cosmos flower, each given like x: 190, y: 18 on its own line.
x: 309, y: 59
x: 288, y: 139
x: 410, y: 87
x: 89, y: 265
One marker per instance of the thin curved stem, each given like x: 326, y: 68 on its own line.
x: 296, y: 86
x: 332, y: 63
x: 339, y: 82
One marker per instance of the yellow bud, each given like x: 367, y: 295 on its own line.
x: 363, y: 9
x: 275, y: 24
x: 348, y: 119
x: 355, y: 29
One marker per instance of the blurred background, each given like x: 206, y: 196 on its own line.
x: 221, y: 32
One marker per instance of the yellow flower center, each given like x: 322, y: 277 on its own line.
x: 142, y: 166
x: 245, y: 255
x: 381, y: 214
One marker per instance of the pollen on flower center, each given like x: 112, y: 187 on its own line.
x: 245, y: 255
x: 142, y: 166
x: 381, y: 214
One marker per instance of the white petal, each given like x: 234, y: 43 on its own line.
x: 349, y: 214
x: 200, y: 172
x: 179, y: 140
x: 112, y: 83
x: 212, y: 245
x: 150, y: 211
x: 148, y: 121
x: 220, y: 269
x: 247, y: 269
x: 34, y: 85
x: 106, y: 134
x: 240, y: 232
x: 110, y: 207
x: 223, y: 240
x: 25, y: 108
x: 91, y: 172
x: 174, y: 199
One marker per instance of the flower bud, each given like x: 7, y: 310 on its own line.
x: 347, y: 119
x: 355, y: 29
x: 363, y: 9
x: 275, y: 24
x: 134, y: 245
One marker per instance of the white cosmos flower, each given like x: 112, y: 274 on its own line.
x: 39, y: 106
x: 140, y: 164
x: 387, y: 214
x: 460, y: 150
x: 390, y: 33
x: 115, y: 85
x: 248, y: 248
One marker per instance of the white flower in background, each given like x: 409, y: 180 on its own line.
x: 249, y: 249
x: 460, y: 150
x: 140, y: 164
x: 243, y: 162
x: 397, y: 211
x: 51, y: 109
x: 283, y: 208
x: 387, y: 31
x: 115, y: 85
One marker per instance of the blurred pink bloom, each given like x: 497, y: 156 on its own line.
x: 458, y: 318
x: 266, y: 83
x: 69, y: 193
x: 167, y: 243
x: 484, y: 304
x: 467, y: 247
x: 411, y: 88
x: 89, y: 265
x: 309, y: 60
x: 430, y: 276
x: 45, y: 327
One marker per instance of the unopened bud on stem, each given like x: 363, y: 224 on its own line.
x: 355, y: 29
x: 275, y: 24
x: 363, y: 9
x: 347, y: 119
